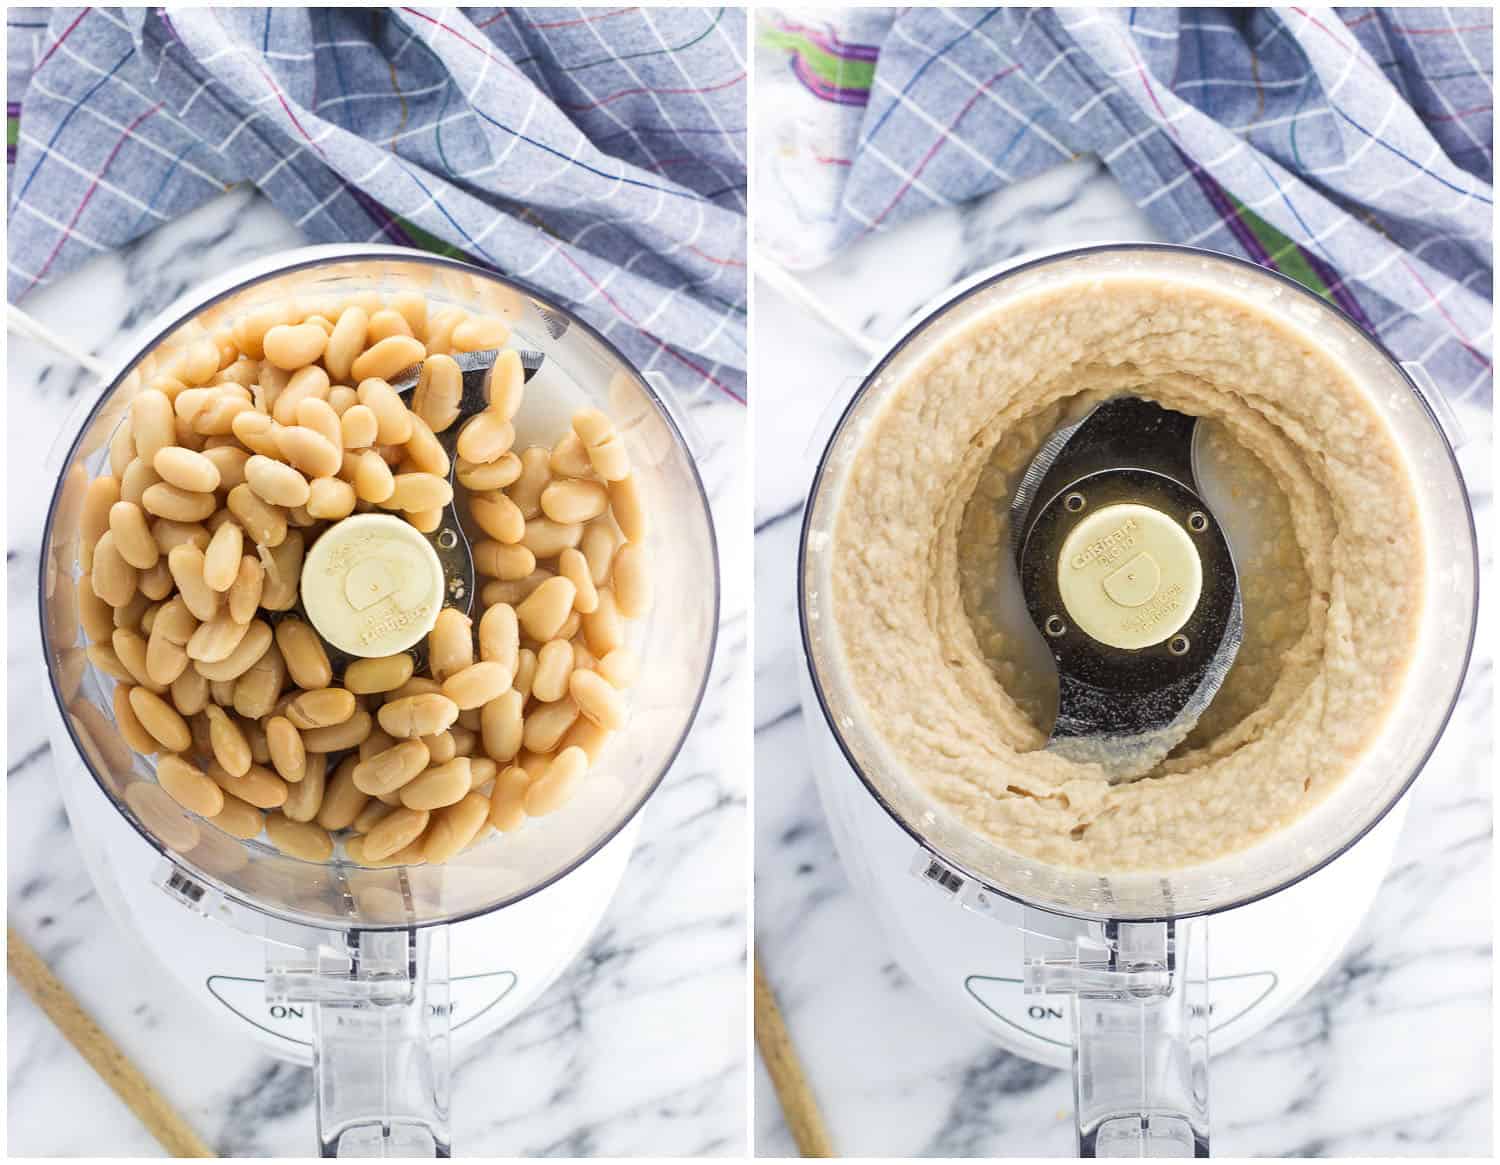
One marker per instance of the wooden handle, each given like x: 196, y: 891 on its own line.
x: 102, y: 1053
x: 798, y: 1105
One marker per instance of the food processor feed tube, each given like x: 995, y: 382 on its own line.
x: 1130, y: 586
x: 365, y: 948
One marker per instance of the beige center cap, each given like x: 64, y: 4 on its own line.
x: 372, y: 585
x: 1129, y: 576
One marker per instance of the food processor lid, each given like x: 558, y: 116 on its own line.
x: 1402, y: 744
x: 655, y: 420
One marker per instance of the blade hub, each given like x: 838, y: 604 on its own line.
x: 1130, y: 578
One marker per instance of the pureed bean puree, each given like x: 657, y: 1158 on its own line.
x: 1332, y: 589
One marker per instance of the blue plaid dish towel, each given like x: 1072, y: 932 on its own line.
x: 598, y: 154
x: 1350, y: 148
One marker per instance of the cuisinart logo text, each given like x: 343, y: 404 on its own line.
x: 1108, y: 549
x: 393, y: 621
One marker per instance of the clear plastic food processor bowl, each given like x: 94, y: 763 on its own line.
x: 1101, y: 936
x: 369, y: 941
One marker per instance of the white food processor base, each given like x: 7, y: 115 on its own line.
x: 498, y: 962
x: 1262, y: 957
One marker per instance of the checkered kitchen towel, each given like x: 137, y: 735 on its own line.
x: 598, y: 154
x: 1349, y: 148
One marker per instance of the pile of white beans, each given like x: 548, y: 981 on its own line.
x: 235, y: 456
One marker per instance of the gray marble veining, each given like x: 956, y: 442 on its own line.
x: 1390, y: 1054
x: 639, y: 1048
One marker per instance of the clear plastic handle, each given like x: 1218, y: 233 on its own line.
x: 381, y: 1039
x: 1140, y: 1029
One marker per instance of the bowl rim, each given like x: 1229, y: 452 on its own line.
x: 182, y: 310
x: 931, y: 314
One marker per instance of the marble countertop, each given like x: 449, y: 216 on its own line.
x: 668, y: 959
x: 1390, y: 1054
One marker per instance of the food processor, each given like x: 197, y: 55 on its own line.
x: 374, y: 975
x: 1131, y: 979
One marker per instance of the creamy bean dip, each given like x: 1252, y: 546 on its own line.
x: 1331, y: 571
